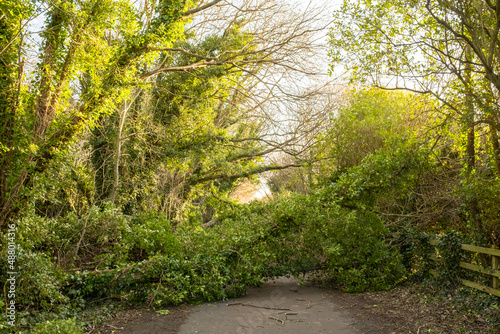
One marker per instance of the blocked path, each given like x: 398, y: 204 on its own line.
x: 281, y: 306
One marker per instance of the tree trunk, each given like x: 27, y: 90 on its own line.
x: 496, y: 147
x: 118, y: 151
x: 469, y: 116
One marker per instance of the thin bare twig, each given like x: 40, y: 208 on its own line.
x: 256, y: 306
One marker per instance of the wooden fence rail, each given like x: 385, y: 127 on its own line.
x: 493, y: 271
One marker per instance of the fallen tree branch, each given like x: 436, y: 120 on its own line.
x: 277, y: 319
x: 210, y: 223
x: 256, y: 306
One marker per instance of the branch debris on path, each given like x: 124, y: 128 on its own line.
x: 278, y: 319
x: 265, y: 307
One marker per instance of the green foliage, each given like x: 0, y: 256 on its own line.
x: 362, y: 260
x: 167, y: 280
x: 38, y: 283
x: 479, y: 195
x: 333, y: 228
x: 415, y: 249
x: 150, y: 235
x: 95, y: 238
x: 371, y: 120
x: 58, y: 326
x: 81, y: 55
x: 355, y: 226
x: 391, y: 43
x: 67, y: 186
x: 449, y: 248
x: 165, y: 143
x: 298, y: 180
x: 479, y: 304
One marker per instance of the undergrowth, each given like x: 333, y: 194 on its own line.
x: 150, y: 260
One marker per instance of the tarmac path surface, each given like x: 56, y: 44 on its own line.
x: 280, y: 306
x: 284, y: 306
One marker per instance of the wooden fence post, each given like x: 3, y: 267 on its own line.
x: 494, y: 266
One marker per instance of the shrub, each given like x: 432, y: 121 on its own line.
x: 364, y: 261
x: 480, y: 209
x: 150, y: 235
x: 94, y: 240
x: 38, y: 284
x: 167, y: 280
x: 58, y: 326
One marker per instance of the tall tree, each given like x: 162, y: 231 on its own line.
x: 448, y: 49
x: 93, y: 53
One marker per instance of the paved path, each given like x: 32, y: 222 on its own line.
x: 281, y: 306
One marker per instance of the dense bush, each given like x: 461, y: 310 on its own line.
x: 150, y: 235
x: 290, y: 235
x: 94, y: 240
x: 167, y: 280
x: 38, y: 287
x: 361, y: 259
x: 479, y: 197
x: 58, y: 327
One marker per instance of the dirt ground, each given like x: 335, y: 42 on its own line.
x: 405, y: 310
x: 145, y: 321
x: 284, y: 306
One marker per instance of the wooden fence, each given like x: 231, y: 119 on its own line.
x: 494, y: 253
